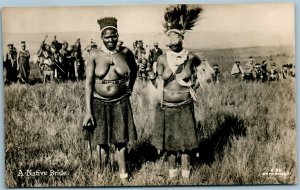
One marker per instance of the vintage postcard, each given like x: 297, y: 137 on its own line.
x: 150, y: 95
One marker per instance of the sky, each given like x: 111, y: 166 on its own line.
x: 264, y: 18
x: 220, y: 25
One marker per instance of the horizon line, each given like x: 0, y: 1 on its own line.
x: 157, y: 32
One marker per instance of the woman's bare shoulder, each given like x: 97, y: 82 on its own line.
x: 194, y: 59
x: 125, y: 50
x: 193, y: 56
x: 162, y: 58
x: 97, y: 53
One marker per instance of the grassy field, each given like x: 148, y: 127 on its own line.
x: 245, y: 129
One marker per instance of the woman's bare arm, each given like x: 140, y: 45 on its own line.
x: 89, y: 85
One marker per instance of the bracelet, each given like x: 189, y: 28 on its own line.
x: 152, y: 75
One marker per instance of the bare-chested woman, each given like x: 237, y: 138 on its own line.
x: 110, y: 76
x: 175, y: 126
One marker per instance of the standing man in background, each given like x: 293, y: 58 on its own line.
x: 11, y: 65
x: 23, y: 64
x: 140, y: 57
x: 237, y: 70
x: 64, y: 53
x: 154, y: 54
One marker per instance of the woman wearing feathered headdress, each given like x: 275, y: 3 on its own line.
x: 175, y: 79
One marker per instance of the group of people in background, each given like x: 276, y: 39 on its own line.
x: 146, y: 58
x: 56, y: 61
x: 61, y: 61
x: 254, y: 71
x: 17, y: 64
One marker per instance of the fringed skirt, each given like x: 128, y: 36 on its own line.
x: 114, y: 122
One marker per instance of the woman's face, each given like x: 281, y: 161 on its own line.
x: 110, y: 38
x: 23, y: 46
x: 174, y: 41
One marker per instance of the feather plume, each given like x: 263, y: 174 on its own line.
x: 181, y: 17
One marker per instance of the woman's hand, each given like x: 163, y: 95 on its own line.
x: 88, y: 118
x: 129, y: 91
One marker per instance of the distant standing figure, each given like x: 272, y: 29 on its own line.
x: 264, y: 71
x: 252, y: 61
x: 292, y: 70
x: 64, y: 54
x: 273, y: 73
x: 134, y: 45
x: 23, y: 64
x: 248, y: 72
x: 140, y: 58
x: 257, y: 72
x: 284, y: 71
x: 77, y: 49
x: 216, y: 74
x: 46, y: 65
x: 78, y: 61
x: 11, y: 64
x: 57, y: 63
x: 237, y: 70
x: 154, y: 54
x: 71, y: 63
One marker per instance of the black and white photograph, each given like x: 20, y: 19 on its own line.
x: 149, y: 95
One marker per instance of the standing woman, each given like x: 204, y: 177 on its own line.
x: 11, y: 65
x: 110, y: 76
x: 23, y: 64
x: 175, y: 79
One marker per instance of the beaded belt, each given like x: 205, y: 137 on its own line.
x: 177, y: 104
x: 119, y: 81
x: 110, y: 100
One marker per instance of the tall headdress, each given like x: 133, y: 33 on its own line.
x: 107, y: 22
x: 180, y: 18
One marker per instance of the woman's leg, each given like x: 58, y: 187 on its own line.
x: 185, y: 164
x: 172, y: 160
x: 173, y: 171
x: 102, y: 151
x: 121, y: 159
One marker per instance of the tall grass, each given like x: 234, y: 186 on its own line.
x: 245, y: 129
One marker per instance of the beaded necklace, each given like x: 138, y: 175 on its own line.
x: 109, y: 52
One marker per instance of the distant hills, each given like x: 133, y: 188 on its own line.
x: 193, y: 40
x: 258, y: 51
